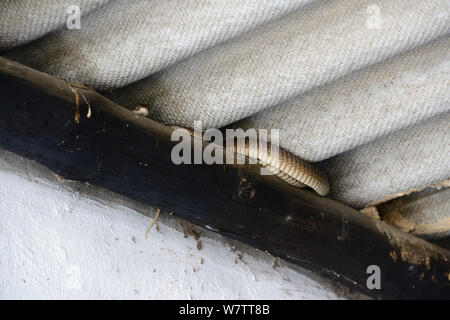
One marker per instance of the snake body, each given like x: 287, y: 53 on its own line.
x: 285, y: 165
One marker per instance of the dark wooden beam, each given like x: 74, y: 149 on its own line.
x: 130, y: 154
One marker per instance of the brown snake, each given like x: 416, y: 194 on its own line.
x: 286, y: 166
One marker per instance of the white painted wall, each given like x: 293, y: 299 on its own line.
x: 61, y: 239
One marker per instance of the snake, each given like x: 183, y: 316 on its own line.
x: 285, y: 165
